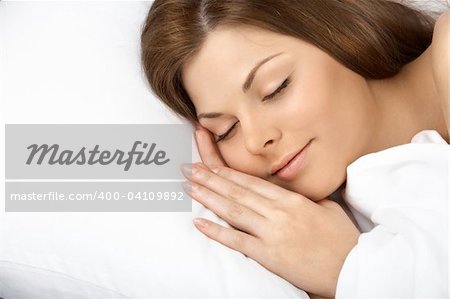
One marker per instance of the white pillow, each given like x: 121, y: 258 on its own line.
x: 78, y: 62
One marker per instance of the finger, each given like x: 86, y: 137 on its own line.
x: 234, y: 213
x: 208, y: 150
x: 229, y: 190
x: 232, y: 238
x: 254, y: 184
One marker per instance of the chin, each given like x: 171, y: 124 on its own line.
x: 319, y: 196
x: 326, y: 191
x: 315, y: 195
x: 314, y: 192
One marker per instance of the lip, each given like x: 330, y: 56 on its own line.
x: 290, y: 165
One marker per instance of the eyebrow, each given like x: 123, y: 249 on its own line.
x: 245, y: 87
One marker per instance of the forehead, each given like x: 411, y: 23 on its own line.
x: 226, y: 57
x: 232, y: 45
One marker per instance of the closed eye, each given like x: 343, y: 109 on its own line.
x: 279, y: 89
x: 268, y: 97
x: 226, y: 133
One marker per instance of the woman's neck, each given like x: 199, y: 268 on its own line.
x: 406, y: 104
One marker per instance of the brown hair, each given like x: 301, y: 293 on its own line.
x: 374, y: 38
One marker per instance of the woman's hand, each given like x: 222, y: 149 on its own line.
x: 304, y: 242
x: 207, y: 149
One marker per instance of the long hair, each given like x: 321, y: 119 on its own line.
x: 374, y: 38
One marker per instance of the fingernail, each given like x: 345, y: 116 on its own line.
x: 215, y: 169
x: 201, y: 223
x: 188, y: 170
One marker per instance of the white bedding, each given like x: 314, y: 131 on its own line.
x: 78, y: 62
x: 400, y: 199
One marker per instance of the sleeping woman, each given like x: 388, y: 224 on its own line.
x: 284, y: 96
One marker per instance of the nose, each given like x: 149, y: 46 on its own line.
x: 259, y: 135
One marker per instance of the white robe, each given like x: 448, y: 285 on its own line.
x: 399, y: 198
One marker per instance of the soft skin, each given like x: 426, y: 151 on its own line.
x: 291, y: 227
x: 346, y: 115
x: 282, y: 230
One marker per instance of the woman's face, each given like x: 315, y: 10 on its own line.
x: 322, y: 101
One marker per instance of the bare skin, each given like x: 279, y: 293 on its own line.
x: 288, y: 226
x: 347, y: 115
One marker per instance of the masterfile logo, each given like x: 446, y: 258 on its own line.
x: 68, y: 157
x: 80, y: 167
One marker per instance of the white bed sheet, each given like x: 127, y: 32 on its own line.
x: 78, y: 62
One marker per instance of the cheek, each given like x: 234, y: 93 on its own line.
x: 323, y: 102
x: 238, y: 158
x: 232, y: 155
x: 311, y: 104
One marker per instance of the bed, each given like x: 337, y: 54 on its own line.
x: 78, y: 62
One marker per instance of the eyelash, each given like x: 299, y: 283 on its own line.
x: 269, y: 97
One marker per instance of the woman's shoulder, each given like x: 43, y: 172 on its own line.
x: 440, y: 52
